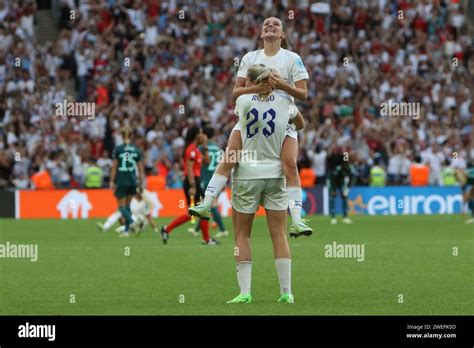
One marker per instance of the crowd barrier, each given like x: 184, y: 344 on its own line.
x: 83, y: 203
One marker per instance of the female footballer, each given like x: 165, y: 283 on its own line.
x: 123, y: 177
x: 262, y: 182
x: 291, y: 82
x: 192, y: 163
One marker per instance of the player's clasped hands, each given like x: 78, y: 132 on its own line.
x: 264, y: 88
x: 276, y: 81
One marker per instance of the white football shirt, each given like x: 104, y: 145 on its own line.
x: 289, y: 65
x: 142, y: 207
x: 263, y: 123
x: 138, y: 207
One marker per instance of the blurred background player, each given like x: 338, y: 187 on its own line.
x: 127, y: 161
x: 340, y: 173
x: 192, y: 184
x: 141, y: 206
x: 466, y: 179
x: 111, y: 220
x: 211, y: 154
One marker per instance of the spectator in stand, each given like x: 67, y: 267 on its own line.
x: 419, y: 173
x: 94, y: 175
x: 398, y: 164
x: 174, y: 179
x: 318, y: 163
x: 41, y: 179
x: 148, y: 68
x: 434, y: 158
x: 105, y: 163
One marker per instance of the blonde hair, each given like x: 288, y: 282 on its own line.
x: 126, y: 132
x: 258, y: 72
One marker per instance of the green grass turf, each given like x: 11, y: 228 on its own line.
x: 408, y: 255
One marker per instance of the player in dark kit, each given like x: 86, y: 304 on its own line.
x: 192, y: 185
x: 340, y: 173
x: 466, y: 179
x: 211, y: 151
x: 123, y: 177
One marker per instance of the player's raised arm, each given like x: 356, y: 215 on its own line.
x: 141, y: 173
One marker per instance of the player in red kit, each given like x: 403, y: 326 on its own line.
x: 192, y: 159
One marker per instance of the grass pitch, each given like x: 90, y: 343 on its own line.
x: 410, y: 256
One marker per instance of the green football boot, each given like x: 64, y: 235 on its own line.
x: 200, y: 210
x: 301, y: 229
x: 286, y: 298
x: 241, y: 299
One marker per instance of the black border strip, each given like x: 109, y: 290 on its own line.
x: 194, y: 330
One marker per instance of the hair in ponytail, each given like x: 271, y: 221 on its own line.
x: 126, y: 133
x: 284, y: 42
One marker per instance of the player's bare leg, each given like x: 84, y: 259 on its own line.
x: 332, y: 204
x: 243, y: 256
x: 220, y: 176
x: 152, y: 223
x: 289, y: 154
x: 111, y: 220
x: 276, y: 221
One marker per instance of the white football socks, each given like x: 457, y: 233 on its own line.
x: 283, y: 267
x: 295, y: 203
x: 244, y: 276
x: 111, y: 220
x: 215, y: 186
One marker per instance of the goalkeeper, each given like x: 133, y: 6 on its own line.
x: 340, y: 174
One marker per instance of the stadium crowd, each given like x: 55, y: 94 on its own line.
x: 162, y: 66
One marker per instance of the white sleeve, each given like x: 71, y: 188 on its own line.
x: 238, y: 107
x: 293, y: 110
x: 244, y: 66
x: 298, y: 71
